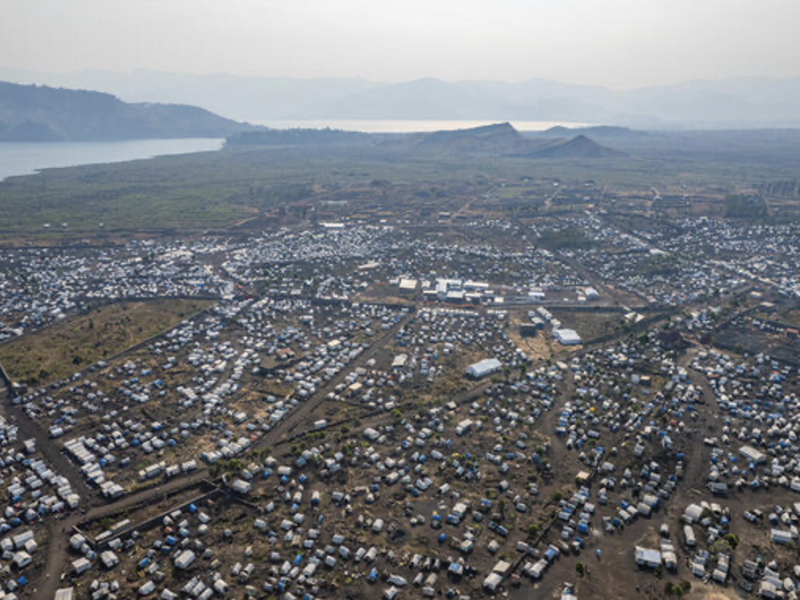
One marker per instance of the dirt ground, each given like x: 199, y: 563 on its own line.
x: 82, y: 340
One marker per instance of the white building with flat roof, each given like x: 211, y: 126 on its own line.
x: 567, y: 337
x: 484, y: 368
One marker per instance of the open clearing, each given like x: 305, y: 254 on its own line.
x: 80, y: 341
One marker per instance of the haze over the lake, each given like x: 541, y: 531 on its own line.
x: 617, y: 43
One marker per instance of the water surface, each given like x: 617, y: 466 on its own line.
x: 24, y: 158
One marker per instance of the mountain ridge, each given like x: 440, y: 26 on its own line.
x: 31, y: 113
x: 580, y: 146
x: 730, y: 103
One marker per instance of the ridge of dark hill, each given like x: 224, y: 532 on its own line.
x: 595, y: 131
x: 500, y: 138
x: 30, y: 113
x: 578, y: 147
x: 504, y: 140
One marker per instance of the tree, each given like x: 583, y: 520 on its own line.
x: 732, y: 539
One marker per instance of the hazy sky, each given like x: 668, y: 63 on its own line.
x: 619, y: 43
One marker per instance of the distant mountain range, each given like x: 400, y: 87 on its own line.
x: 745, y: 102
x: 31, y: 113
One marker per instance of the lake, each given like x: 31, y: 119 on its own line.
x: 18, y: 158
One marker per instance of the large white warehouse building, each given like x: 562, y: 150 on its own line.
x: 483, y: 368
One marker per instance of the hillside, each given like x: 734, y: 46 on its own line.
x: 503, y: 140
x: 37, y: 113
x: 578, y: 147
x: 596, y: 131
x: 500, y: 138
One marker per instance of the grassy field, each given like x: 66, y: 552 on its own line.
x: 78, y: 342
